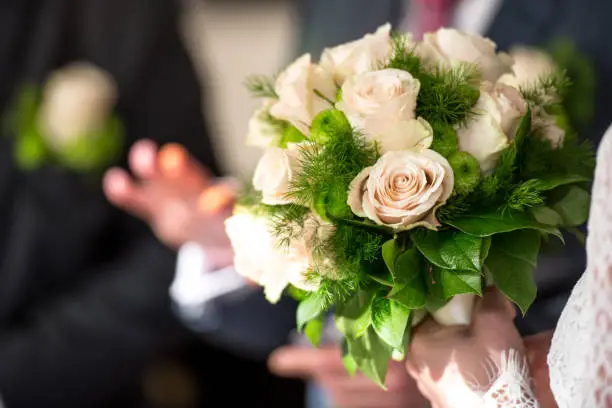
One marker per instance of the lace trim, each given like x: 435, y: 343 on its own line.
x: 512, y: 388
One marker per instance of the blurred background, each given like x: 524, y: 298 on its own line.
x: 229, y: 40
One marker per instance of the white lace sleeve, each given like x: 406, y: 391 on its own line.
x: 580, y: 359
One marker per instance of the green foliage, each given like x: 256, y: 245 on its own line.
x: 447, y: 96
x: 511, y: 262
x: 548, y: 91
x: 314, y: 329
x: 449, y: 249
x: 370, y: 355
x: 309, y: 308
x: 261, y: 86
x: 288, y: 134
x: 497, y: 222
x: 332, y: 167
x: 446, y: 283
x: 389, y: 320
x: 409, y: 277
x: 572, y: 204
x: 354, y: 317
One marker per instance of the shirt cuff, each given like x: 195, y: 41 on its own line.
x: 196, y: 287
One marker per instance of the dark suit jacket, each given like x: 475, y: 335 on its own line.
x: 329, y: 22
x: 83, y: 287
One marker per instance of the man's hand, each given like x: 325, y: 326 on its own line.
x: 175, y: 195
x: 325, y: 367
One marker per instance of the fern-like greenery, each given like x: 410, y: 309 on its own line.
x: 261, y: 86
x: 447, y: 96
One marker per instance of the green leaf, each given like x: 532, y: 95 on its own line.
x: 313, y: 330
x: 399, y: 353
x: 371, y: 356
x: 554, y: 182
x: 546, y: 215
x: 309, y: 308
x: 385, y: 279
x: 487, y: 224
x: 523, y: 129
x: 355, y: 316
x: 450, y: 249
x: 511, y: 263
x: 572, y: 204
x: 446, y: 283
x: 389, y: 320
x: 410, y: 287
x: 484, y: 249
x: 390, y: 251
x: 349, y: 362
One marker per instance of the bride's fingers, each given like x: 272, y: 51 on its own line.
x: 121, y: 191
x: 143, y: 159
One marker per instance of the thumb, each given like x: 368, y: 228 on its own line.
x: 303, y: 362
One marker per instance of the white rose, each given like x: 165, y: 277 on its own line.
x: 403, y: 189
x: 448, y: 47
x: 530, y: 65
x: 304, y: 89
x: 76, y: 100
x: 358, y: 57
x: 274, y: 173
x: 499, y: 110
x: 382, y: 104
x: 261, y: 132
x: 258, y: 257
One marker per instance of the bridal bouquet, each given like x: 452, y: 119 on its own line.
x: 399, y: 178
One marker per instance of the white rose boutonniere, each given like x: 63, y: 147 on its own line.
x: 403, y: 189
x: 77, y: 100
x: 530, y: 65
x: 304, y: 89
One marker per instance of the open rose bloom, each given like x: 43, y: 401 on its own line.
x: 400, y: 178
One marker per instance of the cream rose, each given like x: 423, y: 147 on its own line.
x: 274, y: 173
x: 403, y: 189
x: 382, y: 104
x: 448, y: 47
x: 530, y: 65
x: 76, y: 100
x: 549, y: 129
x: 358, y: 57
x: 261, y: 132
x: 499, y: 109
x: 304, y: 89
x: 258, y: 257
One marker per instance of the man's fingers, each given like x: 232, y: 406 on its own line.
x: 301, y: 362
x: 216, y: 198
x: 143, y: 159
x: 121, y: 191
x: 175, y: 163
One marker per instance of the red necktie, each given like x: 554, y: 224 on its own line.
x: 432, y: 14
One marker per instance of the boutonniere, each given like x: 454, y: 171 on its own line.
x: 69, y: 122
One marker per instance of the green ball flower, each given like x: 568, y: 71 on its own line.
x: 445, y: 140
x: 337, y: 198
x: 291, y: 135
x: 329, y: 124
x: 466, y: 171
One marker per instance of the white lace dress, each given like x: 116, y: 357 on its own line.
x: 580, y: 358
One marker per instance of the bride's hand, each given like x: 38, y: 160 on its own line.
x: 175, y: 195
x: 448, y: 362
